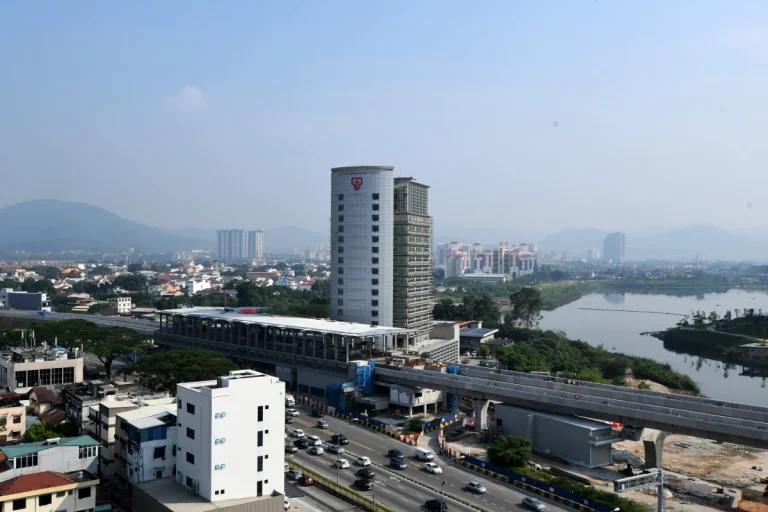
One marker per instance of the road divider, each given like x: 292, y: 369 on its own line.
x: 339, y: 490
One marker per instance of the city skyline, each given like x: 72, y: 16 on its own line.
x: 641, y: 119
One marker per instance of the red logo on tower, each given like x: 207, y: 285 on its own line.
x: 357, y: 182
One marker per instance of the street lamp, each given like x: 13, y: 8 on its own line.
x: 443, y: 468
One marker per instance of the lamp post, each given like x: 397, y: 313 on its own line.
x: 443, y: 468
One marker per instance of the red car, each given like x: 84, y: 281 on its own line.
x: 465, y: 361
x: 306, y: 480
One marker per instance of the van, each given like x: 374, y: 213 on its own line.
x: 289, y: 401
x: 294, y: 432
x: 314, y: 441
x: 424, y: 454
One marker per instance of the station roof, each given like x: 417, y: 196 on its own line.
x: 477, y: 332
x: 288, y: 322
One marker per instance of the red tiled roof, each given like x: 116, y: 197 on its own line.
x: 46, y: 396
x: 33, y: 482
x: 54, y: 416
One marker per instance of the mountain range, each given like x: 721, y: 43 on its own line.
x: 48, y: 225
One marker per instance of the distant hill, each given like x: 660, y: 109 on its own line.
x: 51, y: 226
x: 673, y: 244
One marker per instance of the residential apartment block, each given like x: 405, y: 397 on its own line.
x: 21, y: 369
x: 121, y: 304
x: 12, y: 418
x: 146, y: 442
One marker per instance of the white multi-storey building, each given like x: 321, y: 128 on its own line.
x: 362, y: 226
x: 121, y: 304
x: 146, y: 442
x: 255, y: 245
x: 230, y: 436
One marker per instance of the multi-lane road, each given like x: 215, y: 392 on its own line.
x: 390, y: 488
x: 142, y: 326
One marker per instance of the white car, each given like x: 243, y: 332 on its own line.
x: 533, y: 504
x: 342, y: 463
x: 291, y: 412
x: 363, y: 461
x: 287, y: 504
x: 316, y: 450
x: 431, y: 467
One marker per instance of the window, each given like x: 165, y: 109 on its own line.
x: 341, y: 260
x: 375, y: 218
x: 45, y: 499
x: 260, y: 413
x: 341, y: 207
x: 341, y: 197
x: 340, y: 291
x: 341, y: 239
x: 260, y: 464
x: 88, y: 451
x: 375, y: 197
x: 341, y: 219
x: 374, y: 313
x: 190, y: 458
x: 340, y: 280
x: 375, y: 229
x: 190, y: 408
x: 260, y: 438
x: 374, y: 271
x: 340, y: 312
x: 179, y: 404
x: 84, y: 493
x: 341, y: 270
x: 374, y: 303
x: 26, y: 461
x: 341, y: 229
x: 375, y: 239
x: 61, y: 494
x: 259, y: 490
x: 375, y: 250
x: 158, y: 474
x: 374, y: 322
x: 375, y: 207
x: 190, y: 483
x: 375, y: 261
x: 341, y: 250
x: 375, y: 282
x: 340, y: 302
x: 190, y: 433
x: 375, y: 292
x: 159, y: 452
x: 222, y: 491
x: 16, y: 419
x: 216, y: 493
x: 19, y: 504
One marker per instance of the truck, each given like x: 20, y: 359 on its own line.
x: 289, y: 401
x: 424, y: 454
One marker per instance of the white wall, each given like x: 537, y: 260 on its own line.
x: 62, y: 459
x: 238, y: 399
x: 141, y: 465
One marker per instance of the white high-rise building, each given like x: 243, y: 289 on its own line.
x: 255, y: 245
x: 230, y: 436
x: 362, y: 226
x: 232, y: 244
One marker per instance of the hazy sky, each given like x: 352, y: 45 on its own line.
x: 528, y: 115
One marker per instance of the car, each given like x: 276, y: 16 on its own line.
x: 476, y: 487
x: 289, y: 448
x: 322, y: 424
x: 305, y: 480
x: 314, y: 441
x: 365, y: 473
x: 339, y: 439
x: 431, y: 467
x: 364, y: 484
x: 334, y: 448
x: 363, y: 461
x: 286, y: 468
x: 435, y: 505
x: 394, y: 453
x: 286, y: 504
x: 484, y: 363
x: 342, y: 463
x: 291, y: 412
x: 293, y: 474
x: 316, y: 450
x: 301, y: 443
x: 317, y: 413
x: 533, y: 504
x: 397, y: 463
x: 289, y: 419
x: 465, y: 360
x: 473, y: 353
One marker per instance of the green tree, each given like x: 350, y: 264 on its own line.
x: 42, y: 431
x: 322, y: 287
x: 247, y: 294
x: 101, y: 270
x: 41, y: 286
x: 135, y: 267
x: 484, y: 351
x: 526, y: 308
x: 510, y: 451
x: 163, y: 370
x: 132, y: 282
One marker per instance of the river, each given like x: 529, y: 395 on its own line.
x: 619, y: 331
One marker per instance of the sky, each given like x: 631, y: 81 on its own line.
x: 530, y: 116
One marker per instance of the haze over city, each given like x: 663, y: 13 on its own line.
x: 532, y: 116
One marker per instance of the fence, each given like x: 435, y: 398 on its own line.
x: 339, y: 490
x: 533, y: 485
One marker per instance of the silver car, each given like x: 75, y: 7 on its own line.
x: 533, y: 504
x: 476, y: 487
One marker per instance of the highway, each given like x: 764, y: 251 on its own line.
x: 365, y: 442
x: 142, y: 326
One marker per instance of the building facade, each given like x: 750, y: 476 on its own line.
x: 614, y: 247
x: 593, y: 255
x: 412, y: 248
x: 146, y: 443
x: 72, y: 454
x: 230, y: 439
x: 362, y: 226
x: 10, y: 299
x: 12, y: 418
x: 232, y: 244
x: 121, y: 304
x: 21, y: 369
x: 50, y: 492
x: 255, y: 250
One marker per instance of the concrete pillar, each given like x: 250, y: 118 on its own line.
x: 481, y: 413
x: 425, y: 409
x: 653, y: 443
x: 410, y: 411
